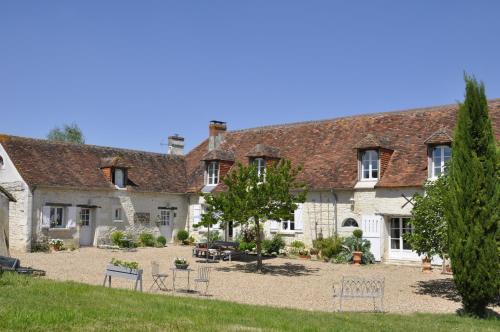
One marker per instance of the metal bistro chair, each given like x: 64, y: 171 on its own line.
x: 202, y: 277
x: 158, y: 278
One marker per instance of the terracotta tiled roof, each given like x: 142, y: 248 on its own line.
x: 218, y: 154
x: 59, y: 164
x: 327, y: 148
x: 262, y: 150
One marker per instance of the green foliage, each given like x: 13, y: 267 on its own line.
x: 147, y: 239
x: 328, y: 247
x: 117, y: 238
x: 161, y: 240
x: 251, y: 201
x: 473, y: 203
x: 182, y: 235
x: 214, y: 236
x: 353, y: 243
x: 273, y: 245
x: 429, y: 236
x: 297, y: 244
x: 69, y: 133
x: 130, y: 265
x: 357, y: 233
x: 250, y: 246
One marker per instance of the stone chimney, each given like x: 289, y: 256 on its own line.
x: 216, y: 131
x: 176, y: 145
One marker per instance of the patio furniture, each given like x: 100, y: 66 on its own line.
x: 174, y: 277
x: 14, y: 265
x: 158, y: 278
x: 203, y: 277
x: 123, y: 272
x: 361, y: 288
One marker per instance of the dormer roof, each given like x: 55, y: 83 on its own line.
x: 440, y: 136
x: 219, y: 154
x: 116, y: 162
x: 371, y: 141
x: 265, y: 151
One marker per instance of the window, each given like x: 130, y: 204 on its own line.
x: 369, y: 165
x: 56, y: 217
x: 85, y: 217
x: 164, y: 218
x: 119, y: 178
x: 117, y: 216
x: 350, y: 222
x: 260, y: 163
x: 440, y: 156
x: 288, y: 225
x: 213, y: 173
x: 2, y: 164
x: 399, y: 227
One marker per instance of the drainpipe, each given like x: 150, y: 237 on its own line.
x: 335, y: 211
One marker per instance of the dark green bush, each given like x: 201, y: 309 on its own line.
x: 117, y: 238
x: 247, y: 246
x: 161, y: 240
x: 328, y: 247
x: 297, y: 244
x: 147, y: 239
x: 182, y: 235
x: 274, y: 245
x: 357, y: 233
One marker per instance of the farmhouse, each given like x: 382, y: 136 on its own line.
x: 362, y: 171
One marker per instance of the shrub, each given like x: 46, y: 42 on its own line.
x: 297, y: 244
x: 274, y: 245
x: 247, y: 246
x: 266, y: 246
x: 182, y: 235
x: 328, y: 247
x: 147, y: 239
x: 352, y: 243
x: 214, y: 236
x: 357, y: 233
x: 248, y: 234
x: 117, y: 238
x: 161, y: 240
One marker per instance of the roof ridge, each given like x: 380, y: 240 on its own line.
x: 395, y: 112
x: 101, y: 147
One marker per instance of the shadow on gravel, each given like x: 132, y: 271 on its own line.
x: 286, y: 269
x: 443, y: 288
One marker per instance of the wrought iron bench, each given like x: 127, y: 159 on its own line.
x: 360, y: 288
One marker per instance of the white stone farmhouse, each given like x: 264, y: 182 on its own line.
x: 361, y: 172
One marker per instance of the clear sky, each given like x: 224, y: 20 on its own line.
x: 130, y: 73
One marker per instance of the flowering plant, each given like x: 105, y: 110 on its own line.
x: 56, y: 244
x: 180, y: 261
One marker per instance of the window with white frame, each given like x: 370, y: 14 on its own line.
x: 369, y: 165
x: 350, y: 222
x: 260, y: 163
x: 85, y: 217
x: 213, y: 173
x: 117, y: 214
x: 165, y: 218
x: 440, y: 156
x: 400, y: 227
x: 288, y: 225
x: 56, y: 216
x: 119, y: 178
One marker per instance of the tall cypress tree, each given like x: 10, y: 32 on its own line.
x: 473, y: 203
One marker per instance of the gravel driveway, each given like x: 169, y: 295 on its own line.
x: 293, y: 283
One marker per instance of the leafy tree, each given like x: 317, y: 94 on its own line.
x: 472, y: 205
x: 249, y: 200
x: 69, y: 133
x: 429, y: 236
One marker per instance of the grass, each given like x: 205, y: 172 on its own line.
x: 32, y: 304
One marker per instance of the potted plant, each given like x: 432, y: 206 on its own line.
x: 123, y: 266
x: 181, y: 263
x: 426, y: 264
x: 56, y: 244
x: 357, y: 253
x: 304, y: 254
x: 314, y: 253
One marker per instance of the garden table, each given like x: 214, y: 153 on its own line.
x: 174, y: 276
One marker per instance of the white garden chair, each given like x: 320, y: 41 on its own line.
x: 158, y: 278
x: 202, y: 277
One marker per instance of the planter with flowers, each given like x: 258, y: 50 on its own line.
x: 56, y: 244
x: 181, y: 263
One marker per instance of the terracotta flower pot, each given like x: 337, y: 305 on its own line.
x: 426, y: 265
x: 356, y: 257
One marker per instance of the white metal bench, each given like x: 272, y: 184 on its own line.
x: 360, y: 288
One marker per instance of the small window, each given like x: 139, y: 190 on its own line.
x: 85, y: 217
x: 117, y: 216
x: 164, y: 218
x: 350, y: 222
x: 1, y: 162
x: 288, y: 225
x: 213, y: 173
x: 119, y: 178
x: 440, y: 156
x: 260, y: 163
x: 57, y: 217
x: 369, y: 165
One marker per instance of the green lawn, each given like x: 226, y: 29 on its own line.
x: 31, y: 304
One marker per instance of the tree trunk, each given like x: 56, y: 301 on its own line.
x: 259, y: 245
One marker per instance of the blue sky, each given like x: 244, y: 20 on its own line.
x: 130, y: 73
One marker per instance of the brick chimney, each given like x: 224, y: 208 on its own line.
x: 176, y: 145
x: 216, y: 131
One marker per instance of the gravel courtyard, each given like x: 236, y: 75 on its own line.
x: 302, y: 284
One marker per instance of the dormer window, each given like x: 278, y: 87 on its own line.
x: 260, y: 163
x: 213, y: 173
x: 369, y: 165
x: 119, y: 178
x: 440, y: 156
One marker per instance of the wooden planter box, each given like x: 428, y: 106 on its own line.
x: 123, y: 272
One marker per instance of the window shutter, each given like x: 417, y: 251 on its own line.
x: 71, y: 223
x: 46, y: 217
x: 299, y: 225
x: 196, y: 214
x: 275, y: 225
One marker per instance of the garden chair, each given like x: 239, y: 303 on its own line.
x: 158, y: 278
x: 202, y: 277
